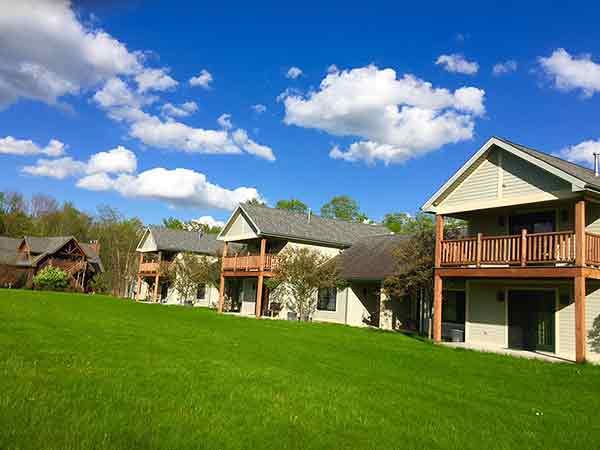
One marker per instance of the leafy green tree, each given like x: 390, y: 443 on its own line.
x: 293, y: 204
x: 343, y: 207
x: 173, y: 223
x: 297, y: 277
x: 51, y: 279
x: 403, y: 223
x: 255, y: 202
x: 190, y: 271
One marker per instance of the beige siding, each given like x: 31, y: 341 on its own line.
x: 486, y: 316
x: 593, y: 217
x: 337, y: 316
x: 592, y: 318
x: 521, y: 178
x: 479, y: 183
x: 239, y: 229
x: 148, y: 244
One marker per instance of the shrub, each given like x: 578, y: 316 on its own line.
x: 51, y: 279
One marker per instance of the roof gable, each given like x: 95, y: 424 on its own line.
x: 502, y: 174
x: 238, y: 227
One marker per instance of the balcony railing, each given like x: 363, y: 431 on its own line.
x: 248, y: 263
x: 522, y: 249
x: 154, y: 267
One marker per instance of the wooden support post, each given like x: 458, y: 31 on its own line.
x: 139, y: 279
x: 478, y: 250
x: 222, y: 285
x: 259, y: 286
x: 580, y: 233
x: 437, y: 308
x: 439, y: 236
x: 580, y: 329
x: 157, y: 278
x: 523, y: 247
x: 437, y: 280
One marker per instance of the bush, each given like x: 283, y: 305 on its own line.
x: 51, y: 279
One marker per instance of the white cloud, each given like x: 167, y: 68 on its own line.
x: 56, y: 168
x: 259, y: 108
x: 293, y: 72
x: 203, y: 79
x: 397, y: 119
x: 457, y: 63
x: 240, y: 137
x: 571, y: 73
x: 115, y: 93
x: 210, y: 221
x: 224, y: 121
x: 47, y: 52
x: 504, y: 67
x: 183, y: 110
x: 122, y: 104
x: 117, y: 160
x: 154, y: 80
x: 95, y: 182
x: 582, y: 152
x: 12, y: 146
x: 178, y: 187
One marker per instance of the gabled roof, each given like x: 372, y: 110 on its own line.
x: 580, y: 172
x: 167, y: 239
x: 286, y: 224
x: 46, y: 244
x: 579, y: 177
x: 370, y: 258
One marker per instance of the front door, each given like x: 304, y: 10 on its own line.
x: 531, y: 320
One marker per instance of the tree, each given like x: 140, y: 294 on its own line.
x: 293, y: 204
x: 255, y: 202
x: 189, y: 271
x: 51, y: 279
x: 343, y: 207
x: 413, y: 272
x: 404, y: 223
x: 173, y: 223
x: 297, y: 277
x: 118, y: 238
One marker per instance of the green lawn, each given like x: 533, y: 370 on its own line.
x: 79, y: 372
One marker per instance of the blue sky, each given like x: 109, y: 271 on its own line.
x: 409, y: 135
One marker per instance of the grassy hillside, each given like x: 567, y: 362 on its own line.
x: 80, y: 372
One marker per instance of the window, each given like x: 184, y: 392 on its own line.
x: 201, y: 292
x: 327, y: 299
x: 538, y: 222
x: 453, y: 307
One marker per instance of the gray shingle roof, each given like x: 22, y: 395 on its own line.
x: 46, y: 244
x: 8, y: 250
x: 371, y: 258
x: 292, y: 225
x: 186, y: 241
x: 583, y: 173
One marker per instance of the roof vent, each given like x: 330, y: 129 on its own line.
x: 596, y: 164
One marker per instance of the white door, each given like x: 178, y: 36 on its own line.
x: 248, y: 297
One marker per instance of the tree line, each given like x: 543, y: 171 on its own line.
x: 118, y: 235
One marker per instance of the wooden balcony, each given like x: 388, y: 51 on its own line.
x: 153, y: 267
x: 248, y: 263
x: 522, y: 250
